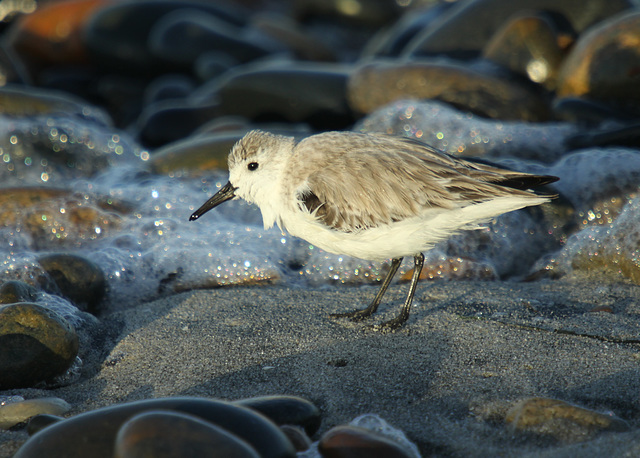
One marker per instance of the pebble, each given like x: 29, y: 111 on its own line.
x: 348, y: 441
x: 286, y: 410
x: 195, y: 154
x: 166, y: 434
x: 561, y: 420
x: 532, y: 45
x: 37, y: 345
x: 378, y: 83
x: 99, y: 428
x: 18, y: 412
x: 117, y: 36
x: 444, y: 36
x: 39, y: 422
x: 77, y: 278
x: 53, y: 33
x: 17, y: 291
x: 603, y: 64
x: 313, y: 93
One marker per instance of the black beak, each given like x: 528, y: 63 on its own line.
x: 225, y: 193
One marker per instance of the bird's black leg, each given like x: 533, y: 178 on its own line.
x: 398, y: 321
x: 361, y: 314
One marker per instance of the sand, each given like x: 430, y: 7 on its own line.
x: 468, y: 351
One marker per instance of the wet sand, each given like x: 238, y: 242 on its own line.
x: 468, y: 350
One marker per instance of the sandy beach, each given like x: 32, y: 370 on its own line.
x: 469, y: 351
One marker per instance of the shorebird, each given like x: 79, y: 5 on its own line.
x: 370, y: 196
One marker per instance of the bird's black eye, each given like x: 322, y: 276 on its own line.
x: 252, y: 166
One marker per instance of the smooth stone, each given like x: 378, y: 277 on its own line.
x: 183, y: 35
x: 79, y: 279
x: 18, y: 412
x: 171, y: 120
x: 348, y: 441
x: 21, y: 101
x: 166, y: 434
x: 589, y: 113
x: 391, y: 41
x: 378, y: 83
x: 41, y: 421
x: 12, y: 69
x: 532, y: 45
x: 607, y: 136
x: 286, y: 410
x: 297, y: 40
x: 13, y: 291
x: 36, y: 345
x: 479, y: 19
x: 168, y: 87
x: 99, y: 428
x: 53, y: 33
x: 196, y: 154
x: 372, y: 13
x: 302, y: 92
x: 117, y: 36
x: 603, y: 64
x: 297, y: 437
x: 561, y: 420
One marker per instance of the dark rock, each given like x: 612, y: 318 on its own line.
x: 183, y: 35
x: 167, y: 87
x: 117, y: 36
x: 286, y: 410
x: 532, y: 45
x: 308, y: 92
x: 36, y: 344
x: 165, y: 122
x: 39, y: 422
x: 354, y: 442
x: 379, y: 83
x: 16, y: 291
x: 99, y: 428
x: 467, y: 26
x: 297, y: 436
x: 77, y: 278
x: 166, y: 434
x: 603, y: 65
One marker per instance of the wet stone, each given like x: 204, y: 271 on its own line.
x: 561, y: 420
x: 379, y: 83
x: 183, y: 35
x: 196, y: 154
x: 603, y: 64
x: 36, y: 345
x: 171, y: 120
x: 348, y: 441
x: 13, y: 291
x: 297, y: 437
x: 532, y: 45
x: 303, y: 92
x: 117, y: 36
x: 39, y: 422
x: 52, y: 34
x: 286, y: 410
x: 444, y: 36
x: 100, y: 427
x: 77, y: 278
x: 18, y: 412
x: 165, y: 434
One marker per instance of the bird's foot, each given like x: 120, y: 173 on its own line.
x: 389, y: 326
x: 355, y: 315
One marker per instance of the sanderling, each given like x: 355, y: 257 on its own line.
x: 370, y: 196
